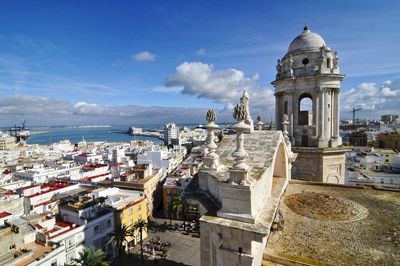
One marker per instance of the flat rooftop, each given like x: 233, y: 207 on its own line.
x: 37, y: 251
x: 324, y: 224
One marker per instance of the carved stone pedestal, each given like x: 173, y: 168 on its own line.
x: 325, y: 165
x: 238, y: 176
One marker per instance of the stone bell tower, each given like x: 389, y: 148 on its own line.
x: 307, y: 89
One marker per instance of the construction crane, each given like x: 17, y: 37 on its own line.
x: 354, y: 114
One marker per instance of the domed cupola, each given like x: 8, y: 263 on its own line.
x: 309, y: 71
x: 307, y: 40
x: 307, y: 56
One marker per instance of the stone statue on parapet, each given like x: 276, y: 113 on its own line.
x: 285, y: 123
x: 211, y: 115
x: 211, y: 160
x: 259, y: 123
x: 244, y: 100
x: 238, y: 172
x: 240, y: 112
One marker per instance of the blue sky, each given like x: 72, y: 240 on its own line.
x: 110, y: 61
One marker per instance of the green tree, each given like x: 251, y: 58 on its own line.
x: 141, y: 225
x: 170, y: 210
x: 92, y: 257
x: 180, y: 205
x: 120, y: 237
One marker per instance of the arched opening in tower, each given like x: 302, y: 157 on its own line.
x: 305, y: 113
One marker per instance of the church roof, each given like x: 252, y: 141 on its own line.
x: 307, y: 40
x: 260, y: 145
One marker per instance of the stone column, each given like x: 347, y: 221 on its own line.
x: 239, y: 171
x: 290, y: 112
x: 322, y: 114
x: 277, y: 110
x: 336, y: 114
x: 327, y: 113
x: 317, y: 114
x: 212, y: 159
x: 295, y: 98
x: 322, y: 133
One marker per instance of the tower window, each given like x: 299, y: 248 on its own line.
x: 305, y: 114
x: 305, y: 61
x: 329, y: 106
x: 285, y: 107
x: 328, y: 63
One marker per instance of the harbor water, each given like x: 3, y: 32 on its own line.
x: 48, y: 135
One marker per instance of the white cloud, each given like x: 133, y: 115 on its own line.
x: 223, y: 86
x: 165, y: 89
x: 373, y: 99
x: 201, y: 52
x: 144, y: 56
x: 48, y: 111
x: 386, y: 91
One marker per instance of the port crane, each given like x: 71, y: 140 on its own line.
x: 354, y: 114
x: 21, y: 133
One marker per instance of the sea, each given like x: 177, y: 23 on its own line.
x: 48, y: 135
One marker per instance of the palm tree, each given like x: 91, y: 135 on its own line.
x: 119, y: 238
x: 92, y: 257
x: 141, y: 225
x: 179, y: 205
x: 170, y: 210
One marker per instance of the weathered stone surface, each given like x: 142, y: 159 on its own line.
x: 366, y: 241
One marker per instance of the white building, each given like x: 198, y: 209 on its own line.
x: 7, y: 142
x: 116, y: 197
x: 42, y: 174
x: 97, y: 220
x: 63, y: 146
x: 171, y: 133
x: 43, y: 199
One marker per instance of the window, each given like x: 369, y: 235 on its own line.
x: 96, y: 229
x: 70, y: 242
x: 328, y: 63
x: 108, y: 222
x: 329, y: 106
x: 285, y: 107
x: 305, y: 61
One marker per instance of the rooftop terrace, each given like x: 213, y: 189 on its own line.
x: 336, y: 225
